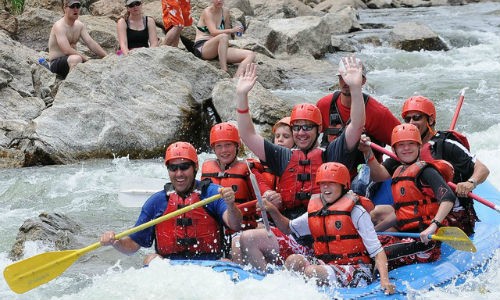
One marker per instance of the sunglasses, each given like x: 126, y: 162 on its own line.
x: 181, y: 166
x: 134, y: 4
x: 305, y: 127
x: 415, y: 118
x: 75, y: 5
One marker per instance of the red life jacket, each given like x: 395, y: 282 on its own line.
x: 335, y: 125
x: 266, y: 173
x: 414, y: 208
x: 236, y: 177
x: 297, y: 183
x: 193, y: 233
x: 336, y: 240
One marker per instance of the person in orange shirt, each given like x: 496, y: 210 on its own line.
x: 176, y: 16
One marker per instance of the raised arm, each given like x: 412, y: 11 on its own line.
x: 153, y: 37
x: 93, y: 45
x: 352, y: 76
x: 378, y: 172
x: 254, y: 141
x: 121, y: 29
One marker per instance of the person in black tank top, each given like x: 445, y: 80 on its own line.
x: 136, y: 30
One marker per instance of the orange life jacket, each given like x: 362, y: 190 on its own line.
x: 236, y: 177
x: 336, y: 240
x: 414, y: 208
x: 193, y: 233
x: 297, y: 183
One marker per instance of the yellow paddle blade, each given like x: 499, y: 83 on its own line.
x: 27, y: 274
x: 454, y: 237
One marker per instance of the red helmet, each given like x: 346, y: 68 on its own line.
x: 284, y: 121
x: 333, y: 172
x: 405, y: 132
x: 306, y: 111
x: 421, y: 104
x: 224, y: 132
x: 181, y: 150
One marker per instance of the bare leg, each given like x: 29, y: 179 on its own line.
x: 73, y: 60
x: 222, y: 50
x: 319, y: 272
x: 241, y: 56
x: 258, y: 249
x: 173, y: 36
x: 149, y: 258
x: 236, y: 250
x: 297, y: 263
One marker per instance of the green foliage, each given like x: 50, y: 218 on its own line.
x: 17, y: 6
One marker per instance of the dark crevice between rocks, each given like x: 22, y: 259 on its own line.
x: 197, y: 122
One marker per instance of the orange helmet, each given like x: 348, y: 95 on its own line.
x: 421, y: 104
x: 333, y: 172
x: 181, y: 150
x: 405, y: 132
x: 306, y: 111
x: 224, y: 132
x: 284, y: 121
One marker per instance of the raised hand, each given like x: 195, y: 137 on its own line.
x: 353, y: 72
x: 247, y: 80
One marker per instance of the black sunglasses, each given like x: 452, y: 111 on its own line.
x: 134, y: 4
x: 181, y: 166
x: 75, y: 5
x: 415, y: 118
x: 305, y: 127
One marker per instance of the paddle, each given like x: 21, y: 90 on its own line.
x: 452, y: 236
x: 32, y: 272
x: 451, y: 184
x: 263, y: 212
x: 478, y: 198
x: 457, y: 110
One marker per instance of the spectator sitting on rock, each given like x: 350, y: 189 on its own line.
x: 64, y: 35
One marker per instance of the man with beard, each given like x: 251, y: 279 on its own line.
x: 64, y: 35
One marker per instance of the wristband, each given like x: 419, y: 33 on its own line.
x: 438, y: 224
x: 242, y: 111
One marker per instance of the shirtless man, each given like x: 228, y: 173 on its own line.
x: 64, y: 35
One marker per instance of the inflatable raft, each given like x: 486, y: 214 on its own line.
x: 449, y: 269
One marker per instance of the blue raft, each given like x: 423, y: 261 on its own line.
x: 418, y: 277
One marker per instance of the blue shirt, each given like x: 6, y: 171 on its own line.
x: 155, y: 207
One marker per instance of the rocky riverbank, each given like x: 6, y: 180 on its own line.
x: 138, y: 104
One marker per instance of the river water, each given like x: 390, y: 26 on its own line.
x: 88, y: 191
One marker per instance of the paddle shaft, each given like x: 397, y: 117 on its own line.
x: 478, y: 198
x: 457, y: 110
x: 256, y: 190
x: 451, y: 184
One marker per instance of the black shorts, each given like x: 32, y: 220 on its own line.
x: 198, y: 45
x: 60, y: 66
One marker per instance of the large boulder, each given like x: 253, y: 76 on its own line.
x: 412, y: 36
x: 309, y: 35
x: 133, y: 105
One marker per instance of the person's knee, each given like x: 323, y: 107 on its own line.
x: 73, y: 60
x: 224, y: 38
